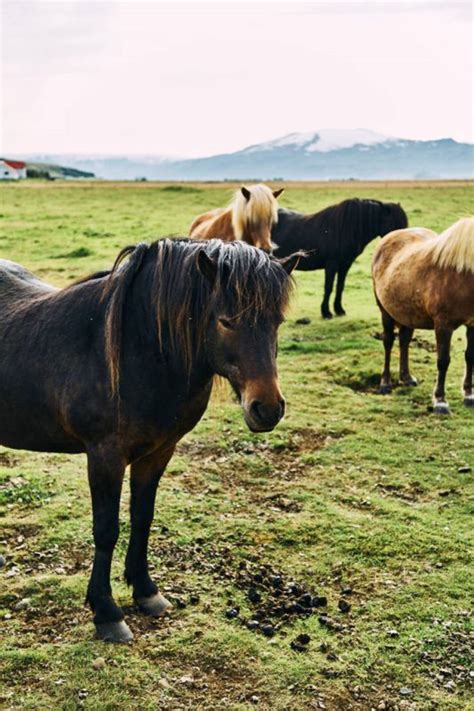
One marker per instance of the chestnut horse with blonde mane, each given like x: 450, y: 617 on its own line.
x: 250, y: 218
x: 426, y: 280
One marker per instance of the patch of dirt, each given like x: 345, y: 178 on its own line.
x: 277, y: 502
x: 449, y: 660
x: 25, y: 556
x: 407, y: 492
x: 8, y: 460
x: 278, y: 460
x: 362, y: 382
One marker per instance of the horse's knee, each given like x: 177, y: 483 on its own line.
x: 106, y: 535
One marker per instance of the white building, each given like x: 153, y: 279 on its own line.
x: 12, y: 169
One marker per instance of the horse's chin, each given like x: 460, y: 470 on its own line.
x: 258, y: 429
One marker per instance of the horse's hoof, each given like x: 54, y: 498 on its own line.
x: 154, y: 606
x: 469, y: 401
x: 340, y: 313
x: 409, y: 382
x: 441, y: 408
x: 327, y: 317
x: 385, y: 389
x: 117, y: 632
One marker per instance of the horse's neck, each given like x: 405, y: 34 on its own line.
x: 143, y: 335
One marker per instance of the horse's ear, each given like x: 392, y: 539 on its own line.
x: 277, y: 193
x: 291, y: 262
x: 245, y: 192
x: 207, y: 266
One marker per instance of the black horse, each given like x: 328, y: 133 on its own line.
x: 121, y: 366
x: 334, y: 238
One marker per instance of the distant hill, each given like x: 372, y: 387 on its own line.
x: 52, y: 171
x: 328, y: 154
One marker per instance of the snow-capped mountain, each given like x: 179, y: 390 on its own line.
x: 323, y: 141
x: 327, y: 154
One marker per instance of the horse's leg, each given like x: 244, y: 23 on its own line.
x: 467, y: 384
x: 341, y: 280
x: 145, y: 475
x: 443, y: 345
x: 106, y: 470
x: 388, y: 340
x: 404, y: 337
x: 329, y: 275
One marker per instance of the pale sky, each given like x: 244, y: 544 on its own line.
x: 191, y: 79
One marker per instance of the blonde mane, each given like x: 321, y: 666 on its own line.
x: 454, y: 248
x: 261, y: 207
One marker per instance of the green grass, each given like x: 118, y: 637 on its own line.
x: 352, y: 489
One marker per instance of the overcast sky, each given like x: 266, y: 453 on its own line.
x: 189, y: 79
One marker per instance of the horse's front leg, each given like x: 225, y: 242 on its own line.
x: 404, y: 338
x: 443, y: 346
x: 106, y: 470
x: 145, y: 476
x: 469, y: 355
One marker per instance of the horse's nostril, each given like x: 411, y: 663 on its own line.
x: 282, y: 406
x: 255, y: 408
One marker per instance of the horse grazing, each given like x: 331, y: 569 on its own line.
x: 333, y: 238
x: 249, y: 218
x: 121, y: 366
x: 425, y: 280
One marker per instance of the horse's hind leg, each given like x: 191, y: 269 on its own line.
x: 467, y: 384
x: 106, y: 472
x: 388, y: 340
x: 329, y: 275
x: 144, y: 479
x: 443, y: 345
x: 404, y: 338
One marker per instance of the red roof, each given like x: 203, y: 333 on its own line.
x: 17, y: 164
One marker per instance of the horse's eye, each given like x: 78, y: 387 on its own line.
x: 226, y: 323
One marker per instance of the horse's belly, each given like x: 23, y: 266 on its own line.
x: 404, y: 302
x: 34, y: 431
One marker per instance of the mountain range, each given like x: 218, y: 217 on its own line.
x: 328, y: 154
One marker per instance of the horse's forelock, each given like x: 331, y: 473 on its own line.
x: 260, y: 208
x: 248, y: 284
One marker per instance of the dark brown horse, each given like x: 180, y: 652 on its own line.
x: 121, y: 366
x: 334, y: 238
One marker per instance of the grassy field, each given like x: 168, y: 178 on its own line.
x: 354, y: 497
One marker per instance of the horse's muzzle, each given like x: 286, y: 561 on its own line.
x: 262, y: 417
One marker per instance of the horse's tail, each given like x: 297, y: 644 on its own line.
x: 454, y: 247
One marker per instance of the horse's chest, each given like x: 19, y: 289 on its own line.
x: 166, y: 420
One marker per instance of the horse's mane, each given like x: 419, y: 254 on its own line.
x: 454, y: 248
x: 249, y: 285
x: 356, y: 221
x: 261, y: 207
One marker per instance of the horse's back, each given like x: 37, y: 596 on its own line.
x: 17, y: 282
x: 13, y: 273
x: 399, y: 246
x: 202, y: 222
x: 213, y: 224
